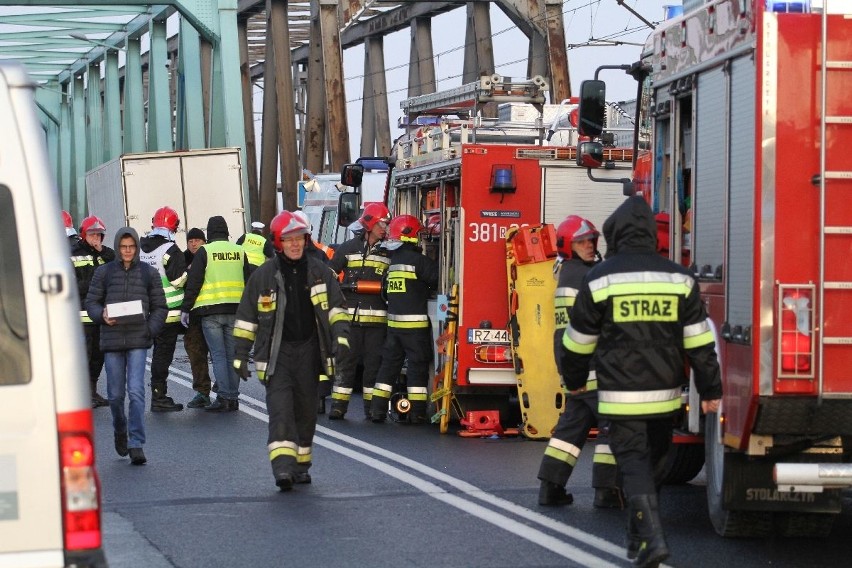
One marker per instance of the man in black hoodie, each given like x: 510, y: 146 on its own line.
x: 213, y: 290
x: 125, y: 343
x: 639, y: 316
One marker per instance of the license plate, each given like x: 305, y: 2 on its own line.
x: 477, y: 335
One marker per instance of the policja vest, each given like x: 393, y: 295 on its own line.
x: 174, y: 296
x: 254, y: 245
x: 223, y: 277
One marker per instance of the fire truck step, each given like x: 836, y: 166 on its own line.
x: 838, y: 230
x: 837, y: 340
x: 838, y: 175
x: 838, y: 64
x: 838, y: 119
x: 838, y: 285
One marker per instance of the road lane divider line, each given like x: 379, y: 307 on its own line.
x: 435, y: 491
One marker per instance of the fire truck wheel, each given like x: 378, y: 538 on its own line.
x: 683, y: 463
x: 728, y: 523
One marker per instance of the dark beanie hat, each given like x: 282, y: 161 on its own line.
x: 195, y: 233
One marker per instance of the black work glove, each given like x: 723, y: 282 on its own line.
x: 242, y: 369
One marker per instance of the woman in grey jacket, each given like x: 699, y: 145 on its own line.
x: 125, y: 341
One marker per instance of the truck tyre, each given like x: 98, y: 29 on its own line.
x: 683, y: 463
x: 727, y: 523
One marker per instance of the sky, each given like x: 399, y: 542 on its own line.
x: 585, y: 21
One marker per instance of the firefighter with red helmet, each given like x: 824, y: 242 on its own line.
x: 408, y: 284
x: 292, y: 313
x: 159, y: 250
x: 70, y: 231
x: 87, y: 255
x: 363, y: 263
x: 576, y: 242
x: 640, y: 316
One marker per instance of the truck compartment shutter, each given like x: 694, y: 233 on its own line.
x: 741, y: 205
x: 569, y: 191
x: 710, y: 174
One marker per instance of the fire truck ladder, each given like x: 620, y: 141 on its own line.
x: 827, y: 121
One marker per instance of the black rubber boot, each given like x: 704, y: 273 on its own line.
x: 633, y: 540
x: 321, y: 405
x: 162, y: 403
x: 608, y: 498
x: 223, y: 405
x: 120, y: 443
x: 553, y: 495
x: 646, y: 520
x: 338, y: 410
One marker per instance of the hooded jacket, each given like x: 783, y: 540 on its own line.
x: 114, y: 283
x: 217, y: 231
x: 640, y: 317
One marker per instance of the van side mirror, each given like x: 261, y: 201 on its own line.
x: 590, y: 154
x: 352, y: 174
x: 592, y: 108
x: 347, y: 208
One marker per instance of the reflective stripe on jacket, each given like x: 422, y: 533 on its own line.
x: 223, y: 277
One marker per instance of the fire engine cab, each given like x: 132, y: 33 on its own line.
x: 469, y: 179
x: 745, y: 122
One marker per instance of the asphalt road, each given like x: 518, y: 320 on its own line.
x: 386, y: 495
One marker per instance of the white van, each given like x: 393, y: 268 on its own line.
x: 49, y: 490
x: 322, y: 199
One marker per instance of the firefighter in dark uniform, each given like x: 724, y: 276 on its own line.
x: 257, y: 247
x: 409, y: 282
x: 292, y: 312
x: 640, y: 318
x: 577, y: 242
x: 159, y: 250
x: 87, y: 254
x: 363, y: 263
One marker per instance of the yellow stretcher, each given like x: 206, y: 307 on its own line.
x: 530, y: 254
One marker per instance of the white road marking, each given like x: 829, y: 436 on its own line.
x: 531, y: 534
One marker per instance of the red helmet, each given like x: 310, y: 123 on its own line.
x: 286, y: 224
x: 167, y: 218
x: 404, y: 228
x: 373, y: 213
x: 92, y: 224
x: 66, y: 218
x: 574, y: 228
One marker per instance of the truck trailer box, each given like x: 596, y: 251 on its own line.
x: 197, y: 184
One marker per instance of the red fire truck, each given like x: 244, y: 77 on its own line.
x: 469, y: 179
x: 745, y: 122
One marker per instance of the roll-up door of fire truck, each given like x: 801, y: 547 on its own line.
x: 710, y: 194
x: 740, y: 246
x: 567, y: 190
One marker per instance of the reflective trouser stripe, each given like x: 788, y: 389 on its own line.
x: 341, y: 393
x: 562, y: 451
x: 382, y: 390
x: 603, y: 454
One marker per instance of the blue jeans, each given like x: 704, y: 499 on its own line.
x: 219, y: 333
x: 125, y: 372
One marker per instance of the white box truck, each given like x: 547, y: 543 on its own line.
x: 197, y: 184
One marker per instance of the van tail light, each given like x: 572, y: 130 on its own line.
x: 796, y: 332
x: 493, y: 353
x: 80, y: 485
